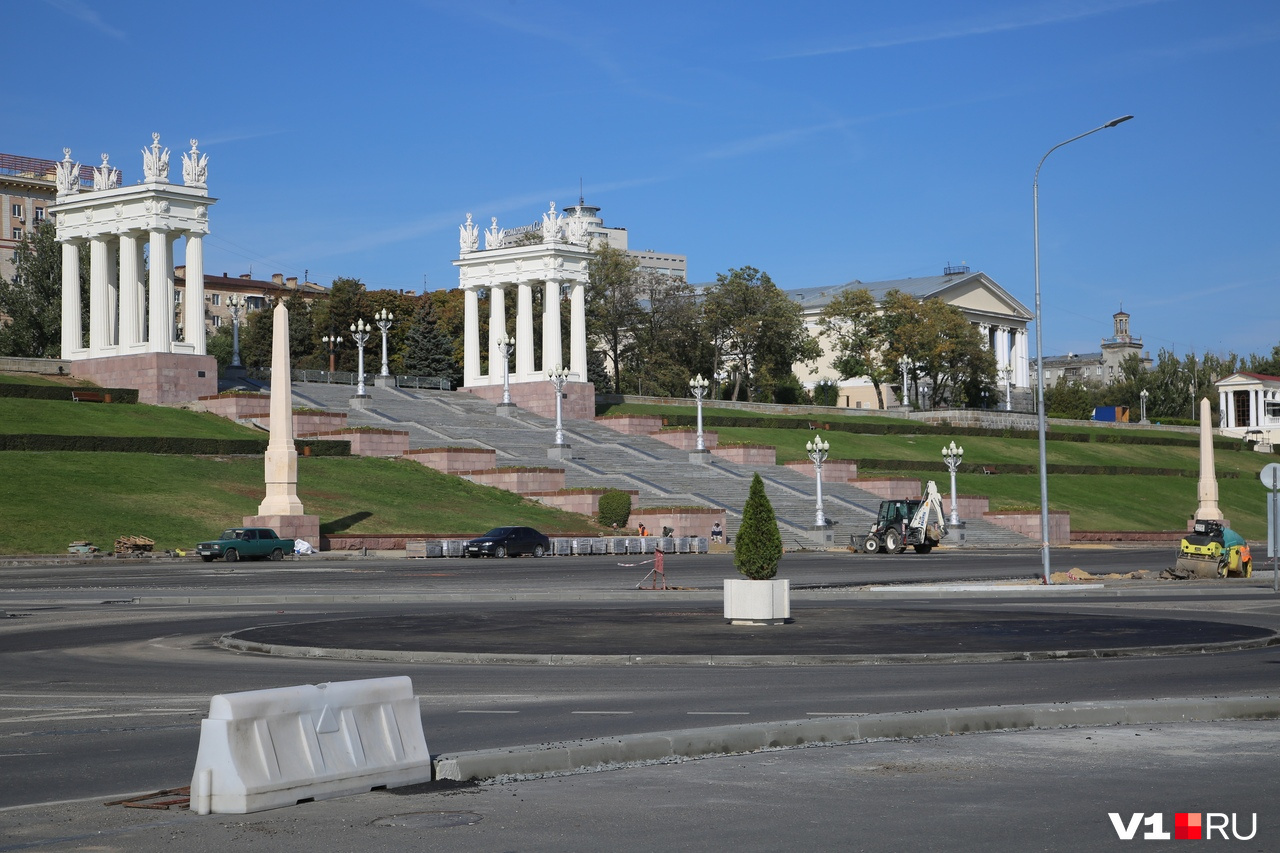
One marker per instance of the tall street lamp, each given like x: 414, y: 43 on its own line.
x: 360, y: 332
x: 383, y: 319
x: 904, y: 363
x: 505, y: 345
x: 1044, y: 468
x: 558, y: 378
x: 817, y: 450
x: 953, y: 456
x: 1142, y: 396
x: 235, y: 304
x: 331, y: 342
x: 698, y: 385
x: 1008, y: 388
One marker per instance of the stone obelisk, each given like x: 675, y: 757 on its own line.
x: 1208, y: 489
x: 281, y: 509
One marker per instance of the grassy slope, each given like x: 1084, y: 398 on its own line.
x: 50, y: 499
x: 1095, y: 502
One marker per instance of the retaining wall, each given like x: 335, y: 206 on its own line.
x: 1028, y: 524
x: 453, y: 460
x: 759, y: 455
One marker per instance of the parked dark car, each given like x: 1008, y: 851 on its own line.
x: 508, y: 542
x: 245, y: 543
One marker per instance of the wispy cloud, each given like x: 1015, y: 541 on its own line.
x: 85, y: 14
x: 1009, y: 20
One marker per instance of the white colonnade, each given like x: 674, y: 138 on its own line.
x: 554, y: 254
x: 127, y: 314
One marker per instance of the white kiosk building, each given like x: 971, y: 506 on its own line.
x: 136, y: 336
x: 554, y: 261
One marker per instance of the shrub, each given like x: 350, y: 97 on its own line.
x: 615, y: 509
x: 759, y: 545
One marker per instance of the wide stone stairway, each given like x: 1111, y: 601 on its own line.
x: 605, y: 458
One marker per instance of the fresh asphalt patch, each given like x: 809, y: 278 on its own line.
x: 817, y: 631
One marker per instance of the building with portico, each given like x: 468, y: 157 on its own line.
x: 1249, y: 407
x: 1000, y: 318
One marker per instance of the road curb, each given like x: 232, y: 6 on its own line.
x: 606, y: 753
x: 233, y: 643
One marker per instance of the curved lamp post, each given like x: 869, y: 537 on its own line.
x: 235, y: 304
x: 558, y: 378
x: 360, y: 332
x: 1044, y: 468
x: 505, y: 345
x: 953, y: 456
x: 817, y: 450
x: 331, y: 343
x: 383, y: 319
x: 698, y: 385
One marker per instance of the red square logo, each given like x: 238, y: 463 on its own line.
x: 1187, y: 825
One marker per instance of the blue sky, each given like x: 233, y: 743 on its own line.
x: 820, y: 142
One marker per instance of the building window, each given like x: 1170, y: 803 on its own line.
x: 216, y: 299
x: 217, y: 321
x: 39, y: 214
x: 16, y: 211
x: 16, y: 234
x: 1272, y: 408
x: 177, y: 297
x: 254, y: 303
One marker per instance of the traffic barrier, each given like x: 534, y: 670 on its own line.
x: 263, y: 749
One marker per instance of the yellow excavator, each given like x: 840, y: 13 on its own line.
x: 1213, y: 551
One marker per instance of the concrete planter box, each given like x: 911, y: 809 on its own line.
x: 632, y: 424
x: 581, y: 502
x: 687, y: 439
x: 451, y: 460
x: 748, y: 602
x: 891, y: 488
x: 748, y: 454
x: 520, y: 480
x: 833, y: 470
x: 685, y: 521
x: 1028, y: 524
x: 238, y: 407
x: 369, y: 442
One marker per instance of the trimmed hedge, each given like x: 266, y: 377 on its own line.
x: 63, y: 392
x: 164, y: 445
x: 865, y: 465
x: 912, y: 428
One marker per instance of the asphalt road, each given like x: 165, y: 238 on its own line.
x: 103, y: 698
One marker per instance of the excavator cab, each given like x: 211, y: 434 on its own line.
x: 918, y: 523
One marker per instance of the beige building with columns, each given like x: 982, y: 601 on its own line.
x: 1000, y: 318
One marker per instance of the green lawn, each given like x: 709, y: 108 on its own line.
x: 64, y: 417
x: 52, y: 499
x: 1128, y: 502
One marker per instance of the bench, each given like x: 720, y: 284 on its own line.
x: 89, y: 397
x: 988, y: 469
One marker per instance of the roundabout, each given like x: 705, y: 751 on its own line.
x: 696, y: 634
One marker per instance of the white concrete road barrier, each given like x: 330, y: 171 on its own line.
x: 264, y: 749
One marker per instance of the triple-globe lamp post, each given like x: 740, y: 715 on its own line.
x: 953, y: 456
x: 558, y: 378
x: 1044, y: 468
x: 383, y: 318
x: 698, y: 385
x: 331, y: 342
x: 235, y: 304
x: 505, y: 345
x: 360, y: 331
x: 817, y: 450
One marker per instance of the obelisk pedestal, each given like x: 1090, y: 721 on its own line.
x: 280, y: 509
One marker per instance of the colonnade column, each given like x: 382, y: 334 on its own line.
x: 132, y: 295
x: 524, y: 331
x: 497, y: 326
x: 72, y: 333
x: 552, y: 353
x: 578, y: 330
x: 160, y: 295
x: 1224, y: 410
x: 194, y: 316
x: 470, y: 337
x: 99, y: 319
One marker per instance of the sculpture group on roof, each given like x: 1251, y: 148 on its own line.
x: 554, y: 228
x: 155, y: 169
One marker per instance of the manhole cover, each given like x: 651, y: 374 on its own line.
x: 429, y: 820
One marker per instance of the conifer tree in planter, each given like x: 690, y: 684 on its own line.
x: 761, y: 599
